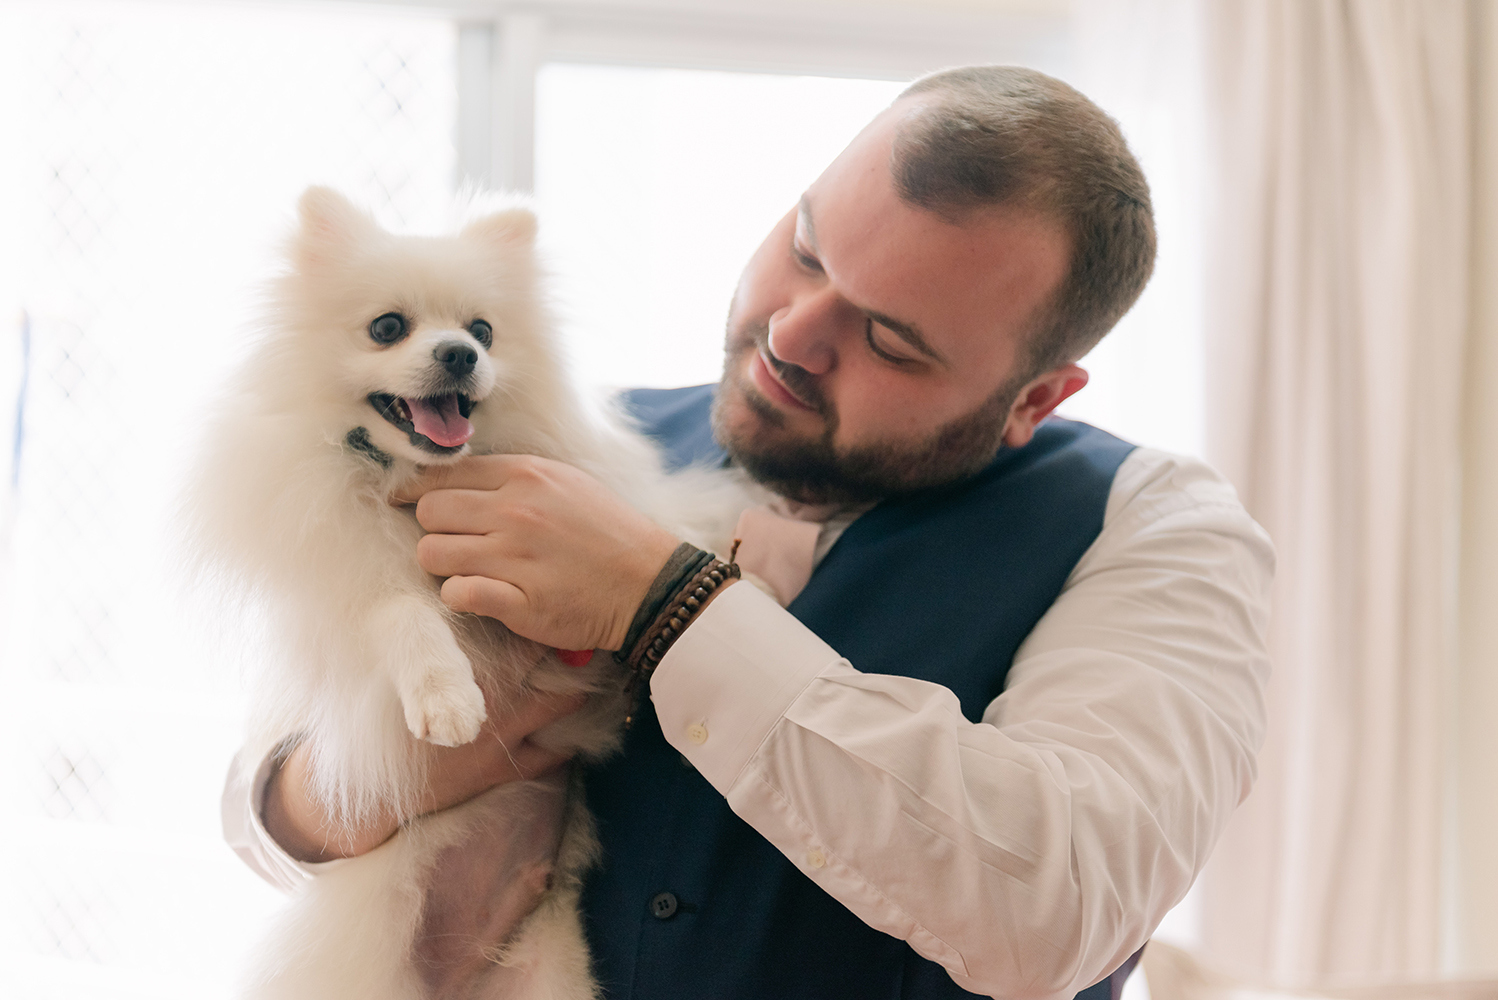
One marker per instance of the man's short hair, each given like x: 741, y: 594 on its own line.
x: 1004, y: 135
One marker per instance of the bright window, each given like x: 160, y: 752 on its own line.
x: 655, y: 186
x: 152, y: 159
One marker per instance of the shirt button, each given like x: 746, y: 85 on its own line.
x: 815, y: 858
x: 697, y: 733
x: 663, y: 905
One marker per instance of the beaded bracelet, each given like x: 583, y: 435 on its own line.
x: 645, y: 654
x: 681, y: 567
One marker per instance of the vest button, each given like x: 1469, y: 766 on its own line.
x: 663, y: 906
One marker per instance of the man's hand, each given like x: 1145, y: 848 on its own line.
x: 540, y: 545
x: 502, y: 753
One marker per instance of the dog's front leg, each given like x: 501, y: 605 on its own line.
x: 433, y: 677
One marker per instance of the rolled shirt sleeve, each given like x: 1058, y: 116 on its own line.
x: 1032, y: 852
x: 244, y: 793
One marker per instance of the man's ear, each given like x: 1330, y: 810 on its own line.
x: 1037, y: 399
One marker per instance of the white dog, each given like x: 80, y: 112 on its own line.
x: 383, y: 353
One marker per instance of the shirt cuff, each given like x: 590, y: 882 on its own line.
x: 729, y: 679
x: 244, y: 797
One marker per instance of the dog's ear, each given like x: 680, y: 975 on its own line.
x: 510, y: 227
x: 330, y: 224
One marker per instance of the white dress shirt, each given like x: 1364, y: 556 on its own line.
x: 1031, y: 853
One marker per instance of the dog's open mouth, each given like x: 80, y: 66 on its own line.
x: 438, y: 424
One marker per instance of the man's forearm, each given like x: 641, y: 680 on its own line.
x: 304, y: 828
x: 308, y: 831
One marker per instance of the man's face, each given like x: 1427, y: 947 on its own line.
x: 874, y: 347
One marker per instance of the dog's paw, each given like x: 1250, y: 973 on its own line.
x: 446, y: 712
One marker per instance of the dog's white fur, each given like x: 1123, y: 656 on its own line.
x: 293, y: 512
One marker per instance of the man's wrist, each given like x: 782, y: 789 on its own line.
x: 690, y: 581
x: 679, y: 567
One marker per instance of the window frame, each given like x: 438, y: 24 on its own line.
x: 502, y: 46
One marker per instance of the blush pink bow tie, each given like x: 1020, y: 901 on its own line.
x: 778, y: 544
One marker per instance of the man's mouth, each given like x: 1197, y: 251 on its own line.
x: 438, y: 424
x: 762, y: 373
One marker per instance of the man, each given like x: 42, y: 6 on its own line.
x: 995, y: 736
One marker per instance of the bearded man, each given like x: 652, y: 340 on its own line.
x: 994, y: 724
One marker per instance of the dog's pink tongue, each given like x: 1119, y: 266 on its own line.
x: 440, y: 420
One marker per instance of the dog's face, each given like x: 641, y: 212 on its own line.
x: 404, y: 340
x: 429, y: 372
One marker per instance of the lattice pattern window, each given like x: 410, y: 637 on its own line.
x: 152, y: 158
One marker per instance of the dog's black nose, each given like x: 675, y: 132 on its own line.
x: 457, y: 357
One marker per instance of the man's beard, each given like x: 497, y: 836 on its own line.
x: 813, y: 471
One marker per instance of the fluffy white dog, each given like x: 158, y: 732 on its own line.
x: 383, y: 353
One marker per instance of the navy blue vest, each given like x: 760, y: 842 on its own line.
x: 943, y: 586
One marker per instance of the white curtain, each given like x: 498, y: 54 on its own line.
x: 1337, y: 285
x: 1474, y: 935
x: 1330, y: 146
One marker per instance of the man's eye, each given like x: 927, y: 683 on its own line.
x: 879, y: 350
x: 805, y: 259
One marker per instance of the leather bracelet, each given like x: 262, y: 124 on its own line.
x: 680, y: 567
x: 645, y: 654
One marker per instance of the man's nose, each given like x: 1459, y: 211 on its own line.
x: 807, y: 332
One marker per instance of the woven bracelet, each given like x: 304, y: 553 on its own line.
x: 681, y: 567
x: 645, y: 654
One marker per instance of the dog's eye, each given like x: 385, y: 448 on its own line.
x: 482, y: 332
x: 387, y: 329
